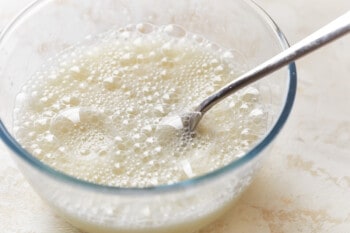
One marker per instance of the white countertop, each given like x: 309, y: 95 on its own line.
x: 304, y: 185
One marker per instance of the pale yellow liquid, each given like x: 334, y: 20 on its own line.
x: 93, y: 111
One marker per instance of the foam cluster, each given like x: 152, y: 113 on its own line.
x: 92, y: 111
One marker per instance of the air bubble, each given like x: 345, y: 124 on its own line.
x: 159, y: 108
x: 31, y: 134
x: 256, y: 113
x: 111, y: 83
x: 175, y: 31
x: 214, y: 62
x: 145, y: 28
x: 219, y: 69
x: 150, y: 140
x: 228, y: 56
x: 49, y: 156
x: 166, y: 98
x: 62, y: 149
x: 147, y: 129
x: 41, y: 124
x: 21, y: 98
x: 49, y: 138
x: 167, y: 63
x: 158, y: 149
x: 37, y: 152
x: 84, y: 152
x: 214, y: 46
x: 140, y: 58
x: 118, y: 139
x: 75, y: 69
x: 217, y: 79
x: 250, y: 94
x: 169, y: 50
x: 128, y: 59
x: 187, y: 168
x: 125, y: 35
x: 83, y: 85
x: 103, y: 151
x: 117, y: 166
x: 198, y: 39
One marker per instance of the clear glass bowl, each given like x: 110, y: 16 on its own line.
x: 49, y: 26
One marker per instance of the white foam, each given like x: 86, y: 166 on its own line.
x: 95, y: 110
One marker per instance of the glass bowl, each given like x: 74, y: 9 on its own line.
x: 47, y: 27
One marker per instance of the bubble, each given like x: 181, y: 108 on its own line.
x: 128, y: 59
x: 245, y: 131
x: 150, y: 140
x: 103, y: 151
x: 187, y: 168
x: 167, y: 63
x: 159, y: 108
x: 256, y: 112
x: 175, y: 31
x: 217, y: 78
x: 49, y: 138
x: 154, y: 181
x: 198, y: 39
x: 214, y: 62
x: 84, y: 152
x: 219, y: 69
x: 74, y: 100
x: 166, y: 98
x: 169, y: 50
x: 244, y: 106
x: 64, y: 121
x: 71, y: 100
x: 75, y: 69
x: 147, y: 129
x: 62, y: 149
x: 250, y: 94
x: 158, y: 149
x: 111, y: 83
x: 145, y: 28
x: 213, y: 46
x: 37, y: 152
x: 21, y: 98
x: 166, y: 134
x: 50, y: 156
x: 228, y: 55
x: 125, y: 35
x: 117, y: 166
x: 140, y: 58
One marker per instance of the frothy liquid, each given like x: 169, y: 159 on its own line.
x: 93, y: 111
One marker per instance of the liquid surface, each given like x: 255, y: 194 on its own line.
x: 93, y: 111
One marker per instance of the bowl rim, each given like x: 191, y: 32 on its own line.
x: 9, y: 140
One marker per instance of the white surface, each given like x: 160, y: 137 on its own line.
x: 304, y: 185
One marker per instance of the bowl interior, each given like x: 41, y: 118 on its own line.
x: 47, y: 27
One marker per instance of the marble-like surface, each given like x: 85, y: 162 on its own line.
x: 304, y: 185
